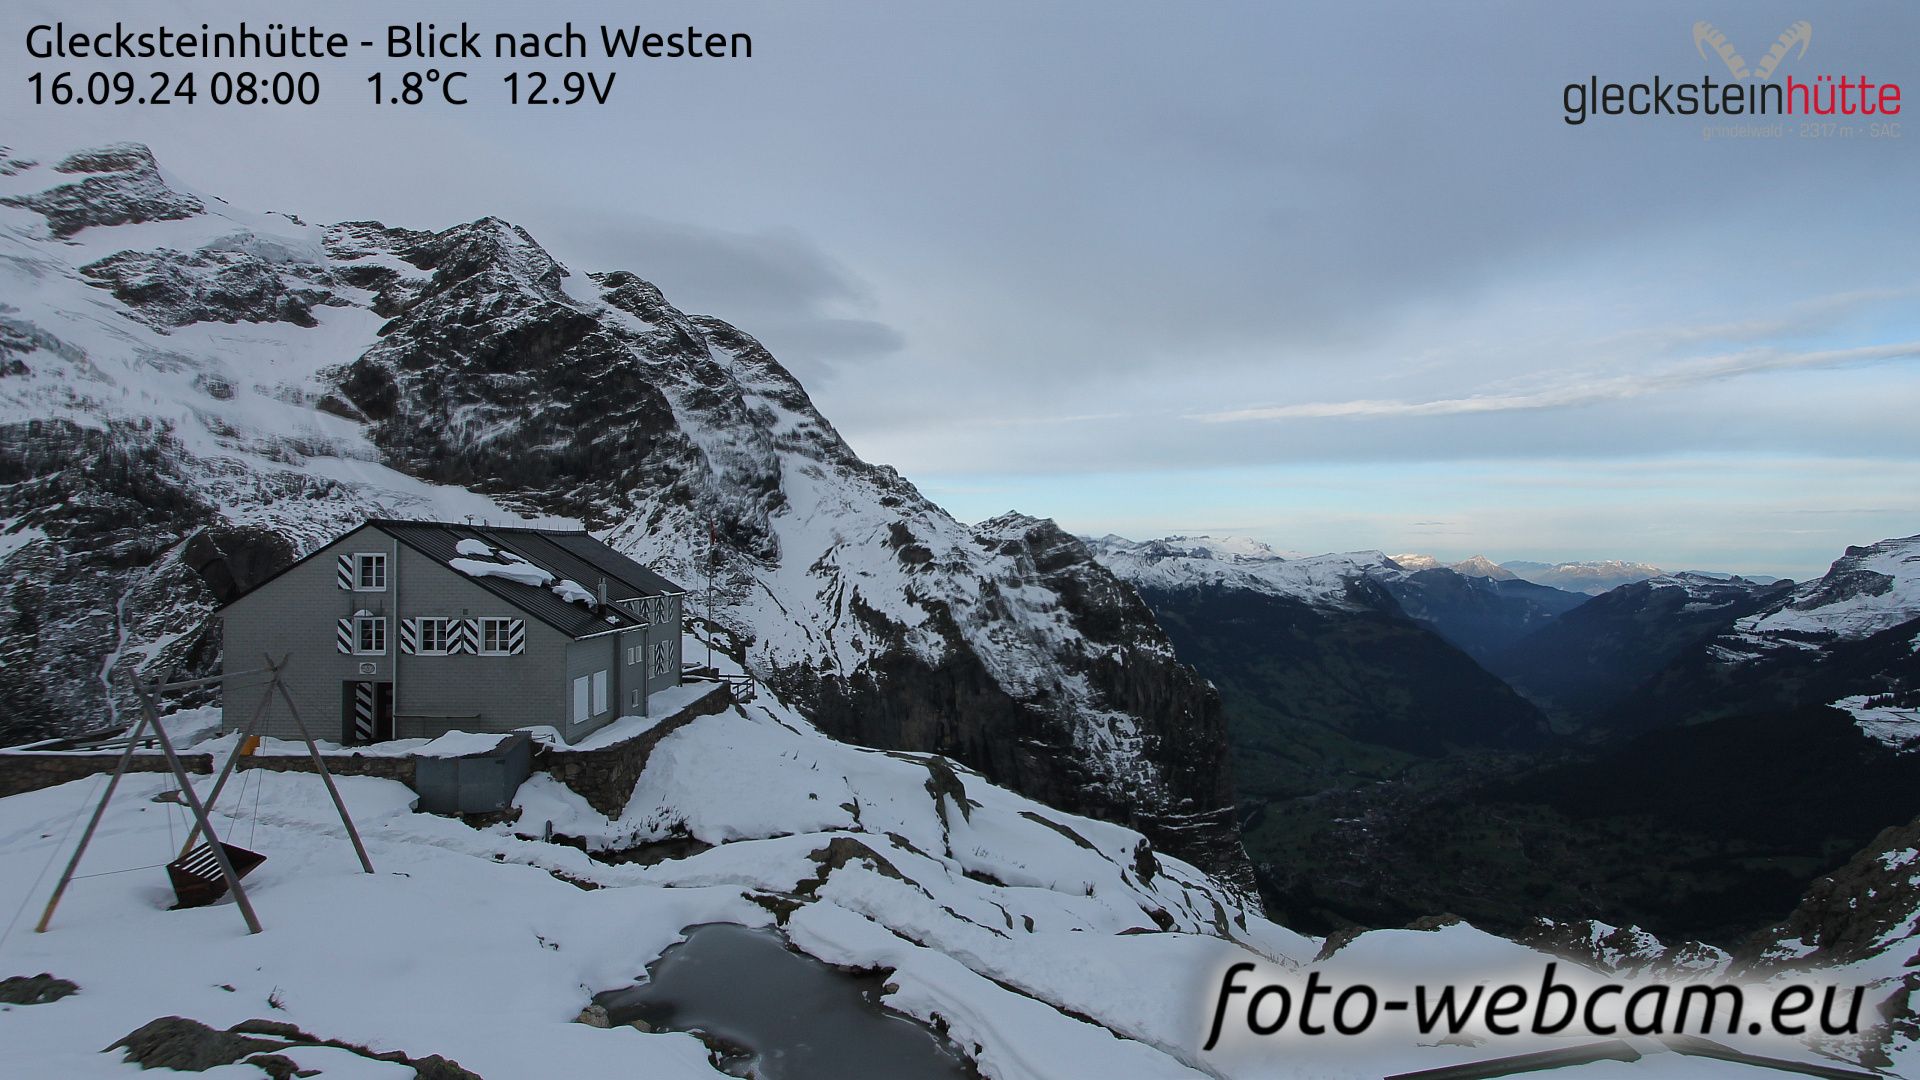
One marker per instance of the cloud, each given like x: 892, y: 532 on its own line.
x: 1587, y: 390
x: 777, y: 284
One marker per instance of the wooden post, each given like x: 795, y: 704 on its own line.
x: 320, y: 766
x: 199, y: 810
x: 66, y: 877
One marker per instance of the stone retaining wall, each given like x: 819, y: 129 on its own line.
x: 34, y: 770
x: 604, y: 777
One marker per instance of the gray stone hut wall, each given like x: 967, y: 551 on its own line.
x: 437, y: 694
x: 295, y: 614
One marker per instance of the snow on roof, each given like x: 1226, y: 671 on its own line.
x: 519, y: 570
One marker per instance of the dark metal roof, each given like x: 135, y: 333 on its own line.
x: 573, y: 556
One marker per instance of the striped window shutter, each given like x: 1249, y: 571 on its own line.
x: 463, y: 637
x: 516, y: 636
x: 343, y: 572
x: 343, y: 635
x: 409, y: 636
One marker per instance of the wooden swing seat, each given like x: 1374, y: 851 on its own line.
x: 196, y: 876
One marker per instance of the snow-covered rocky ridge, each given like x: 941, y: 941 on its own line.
x: 1868, y: 590
x: 1336, y: 582
x: 1474, y: 566
x: 191, y: 395
x: 1046, y: 945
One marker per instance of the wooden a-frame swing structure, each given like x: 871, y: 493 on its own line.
x: 205, y: 872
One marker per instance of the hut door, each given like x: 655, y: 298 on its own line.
x: 368, y: 709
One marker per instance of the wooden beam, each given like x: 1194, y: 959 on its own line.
x: 99, y: 811
x: 199, y: 811
x: 320, y: 766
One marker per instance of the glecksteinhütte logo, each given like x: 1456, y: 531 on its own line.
x: 1706, y: 34
x: 1750, y: 89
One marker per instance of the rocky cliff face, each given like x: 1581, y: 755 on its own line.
x: 190, y: 395
x: 1859, y: 919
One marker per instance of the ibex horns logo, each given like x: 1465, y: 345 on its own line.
x: 1706, y: 35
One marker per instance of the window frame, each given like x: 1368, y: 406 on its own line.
x: 362, y: 562
x: 442, y: 625
x: 504, y: 625
x: 362, y: 626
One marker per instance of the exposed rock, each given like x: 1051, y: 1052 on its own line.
x: 594, y: 1015
x: 34, y: 989
x: 122, y: 185
x: 176, y: 1042
x: 168, y: 288
x: 1860, y: 910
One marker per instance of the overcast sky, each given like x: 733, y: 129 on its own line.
x: 1337, y: 276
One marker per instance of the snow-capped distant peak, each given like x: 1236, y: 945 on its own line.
x: 1478, y: 566
x: 1481, y: 566
x: 1592, y: 578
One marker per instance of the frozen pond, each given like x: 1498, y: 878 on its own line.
x: 801, y: 1019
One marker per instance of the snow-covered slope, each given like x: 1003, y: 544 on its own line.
x: 1047, y: 946
x: 191, y: 395
x: 1339, y: 582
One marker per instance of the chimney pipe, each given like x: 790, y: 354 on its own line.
x: 601, y: 592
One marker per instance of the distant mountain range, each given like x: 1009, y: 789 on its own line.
x: 1393, y: 720
x: 1589, y: 578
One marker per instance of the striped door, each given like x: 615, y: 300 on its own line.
x: 369, y: 713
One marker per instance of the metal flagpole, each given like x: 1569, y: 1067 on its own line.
x: 710, y: 547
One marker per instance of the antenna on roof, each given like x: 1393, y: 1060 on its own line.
x: 469, y: 520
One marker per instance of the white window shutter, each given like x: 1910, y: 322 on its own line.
x: 343, y: 572
x: 343, y: 635
x: 516, y: 636
x: 409, y: 636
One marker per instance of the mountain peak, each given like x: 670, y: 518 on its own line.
x: 1474, y: 566
x: 119, y: 184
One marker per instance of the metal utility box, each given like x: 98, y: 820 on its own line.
x: 478, y: 783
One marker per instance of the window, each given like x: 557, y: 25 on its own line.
x: 433, y: 637
x: 599, y: 692
x: 496, y: 637
x: 370, y: 635
x: 580, y: 712
x: 637, y: 699
x: 370, y: 571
